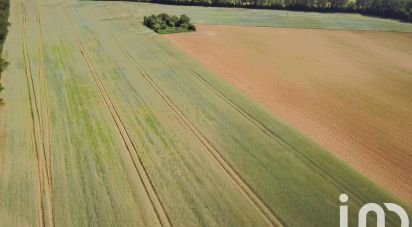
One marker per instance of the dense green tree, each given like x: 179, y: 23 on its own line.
x: 163, y: 23
x: 337, y: 4
x: 183, y: 21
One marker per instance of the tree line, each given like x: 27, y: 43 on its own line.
x: 396, y: 9
x: 4, y: 24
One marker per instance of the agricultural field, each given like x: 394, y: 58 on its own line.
x: 107, y: 123
x: 326, y: 84
x: 272, y: 18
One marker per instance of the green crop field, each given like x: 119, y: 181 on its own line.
x: 272, y: 18
x: 106, y: 124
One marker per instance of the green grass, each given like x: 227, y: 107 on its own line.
x: 274, y: 18
x: 94, y: 180
x: 171, y: 30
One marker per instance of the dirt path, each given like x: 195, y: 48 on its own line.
x: 326, y: 84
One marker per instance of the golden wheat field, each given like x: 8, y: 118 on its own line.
x: 107, y: 123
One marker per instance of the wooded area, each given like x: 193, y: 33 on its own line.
x: 164, y: 23
x: 396, y: 9
x: 4, y: 15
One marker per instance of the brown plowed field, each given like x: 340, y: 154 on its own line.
x: 351, y: 91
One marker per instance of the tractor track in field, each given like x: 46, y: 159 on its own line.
x: 45, y: 105
x: 43, y: 166
x: 27, y: 71
x: 130, y: 146
x: 269, y: 132
x: 259, y: 204
x: 30, y: 86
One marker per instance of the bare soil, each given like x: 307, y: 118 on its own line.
x: 350, y: 91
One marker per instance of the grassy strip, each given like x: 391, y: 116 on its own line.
x: 4, y: 16
x: 393, y: 9
x: 171, y: 30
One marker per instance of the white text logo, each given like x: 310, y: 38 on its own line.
x: 372, y: 207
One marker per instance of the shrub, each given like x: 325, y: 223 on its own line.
x: 3, y: 64
x: 1, y: 100
x: 184, y: 19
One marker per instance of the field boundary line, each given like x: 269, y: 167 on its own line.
x: 285, y: 143
x: 130, y: 146
x: 259, y: 204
